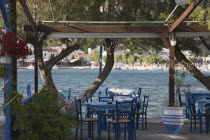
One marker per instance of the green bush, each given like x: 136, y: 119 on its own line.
x: 3, y: 70
x: 41, y: 119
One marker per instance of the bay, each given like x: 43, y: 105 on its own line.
x: 153, y: 83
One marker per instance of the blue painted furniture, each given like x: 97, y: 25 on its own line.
x: 123, y: 118
x: 139, y: 92
x: 143, y: 113
x: 28, y: 89
x: 69, y: 95
x: 100, y: 107
x: 81, y: 120
x: 196, y: 95
x: 106, y: 91
x: 105, y: 114
x: 201, y: 105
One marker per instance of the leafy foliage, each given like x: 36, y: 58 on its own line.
x: 95, y: 56
x: 41, y: 119
x: 3, y: 70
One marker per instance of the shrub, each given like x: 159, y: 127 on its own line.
x: 41, y: 119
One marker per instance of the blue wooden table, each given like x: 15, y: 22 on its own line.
x: 201, y: 104
x: 195, y: 95
x: 99, y: 107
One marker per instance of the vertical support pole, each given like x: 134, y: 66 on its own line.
x: 8, y: 85
x: 100, y: 59
x: 36, y: 63
x: 13, y: 21
x: 8, y: 117
x: 171, y: 75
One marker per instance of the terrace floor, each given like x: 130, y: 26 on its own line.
x: 156, y: 131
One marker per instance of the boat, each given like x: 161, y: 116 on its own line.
x: 30, y: 67
x: 55, y: 67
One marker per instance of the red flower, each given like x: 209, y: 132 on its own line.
x: 14, y: 46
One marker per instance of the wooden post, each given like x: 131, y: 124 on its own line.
x: 100, y: 60
x: 171, y: 75
x: 36, y: 63
x: 171, y: 68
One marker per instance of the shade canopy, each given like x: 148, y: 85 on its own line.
x: 120, y: 31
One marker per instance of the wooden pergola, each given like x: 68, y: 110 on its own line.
x: 110, y: 31
x: 120, y: 31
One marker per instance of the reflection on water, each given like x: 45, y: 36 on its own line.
x: 153, y: 83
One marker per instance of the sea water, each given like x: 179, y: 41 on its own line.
x: 153, y: 83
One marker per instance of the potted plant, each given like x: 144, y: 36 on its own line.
x: 173, y: 117
x: 12, y: 46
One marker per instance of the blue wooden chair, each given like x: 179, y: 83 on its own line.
x: 143, y: 113
x: 181, y: 103
x: 69, y: 95
x: 106, y: 91
x: 194, y: 114
x: 28, y: 89
x: 105, y: 114
x: 121, y: 118
x: 81, y: 120
x: 89, y: 112
x: 139, y: 92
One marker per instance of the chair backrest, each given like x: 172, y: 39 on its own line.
x: 99, y: 93
x: 78, y: 109
x: 69, y: 95
x: 88, y: 99
x: 191, y: 104
x: 125, y: 105
x: 145, y: 103
x: 105, y: 99
x: 106, y: 91
x: 180, y: 97
x: 139, y: 92
x: 28, y: 88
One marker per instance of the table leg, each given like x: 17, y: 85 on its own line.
x: 99, y: 112
x: 201, y: 122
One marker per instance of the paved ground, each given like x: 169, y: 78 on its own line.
x: 156, y: 131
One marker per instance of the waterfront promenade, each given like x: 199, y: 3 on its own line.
x: 156, y: 131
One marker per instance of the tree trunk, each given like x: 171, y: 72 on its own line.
x: 110, y: 46
x: 191, y: 68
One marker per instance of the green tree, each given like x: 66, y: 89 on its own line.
x: 117, y: 58
x: 125, y: 59
x: 131, y: 59
x: 95, y: 56
x: 82, y: 60
x: 104, y: 58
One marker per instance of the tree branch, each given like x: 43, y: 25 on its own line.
x: 28, y: 14
x: 63, y: 54
x: 191, y: 68
x: 205, y: 43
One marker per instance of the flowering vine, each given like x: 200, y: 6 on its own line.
x: 13, y: 46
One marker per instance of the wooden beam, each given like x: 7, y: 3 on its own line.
x: 165, y: 40
x: 187, y: 12
x: 114, y: 29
